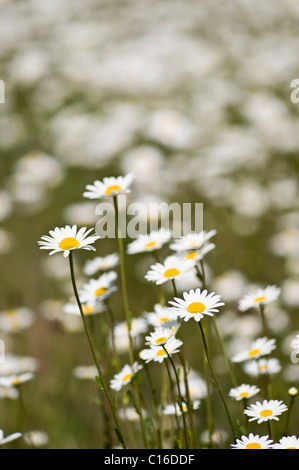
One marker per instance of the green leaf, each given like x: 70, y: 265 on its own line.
x: 99, y: 382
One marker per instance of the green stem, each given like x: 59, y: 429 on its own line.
x: 104, y: 387
x: 264, y: 323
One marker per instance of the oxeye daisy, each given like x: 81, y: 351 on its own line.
x: 88, y: 309
x: 151, y: 242
x: 259, y: 347
x: 101, y: 264
x: 262, y: 366
x: 253, y: 442
x: 12, y: 437
x: 110, y: 186
x: 196, y: 304
x: 192, y: 241
x: 198, y: 254
x: 68, y: 238
x: 259, y: 297
x: 85, y: 372
x: 125, y: 376
x: 160, y: 316
x: 287, y: 442
x: 176, y: 409
x: 16, y: 379
x: 172, y: 268
x: 158, y: 354
x: 159, y: 337
x: 98, y: 289
x: 265, y: 411
x: 243, y: 391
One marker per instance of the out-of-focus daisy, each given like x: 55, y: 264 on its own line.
x: 101, y: 264
x: 159, y: 337
x: 16, y: 319
x: 259, y: 297
x: 262, y: 366
x: 197, y: 386
x: 160, y: 316
x: 9, y: 393
x: 85, y: 372
x: 125, y: 376
x: 149, y: 242
x: 15, y: 365
x: 287, y: 442
x: 253, y: 442
x: 88, y: 309
x: 196, y: 304
x: 129, y: 413
x: 16, y: 380
x: 243, y: 391
x: 173, y: 267
x: 198, y: 254
x: 192, y: 241
x: 98, y: 289
x: 158, y: 354
x: 259, y: 347
x: 138, y: 326
x: 265, y: 411
x: 36, y: 438
x: 110, y: 186
x: 12, y: 437
x: 68, y: 238
x: 175, y: 409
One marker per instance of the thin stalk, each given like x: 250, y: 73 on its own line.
x: 174, y: 288
x: 178, y: 430
x: 156, y: 406
x: 289, y: 415
x: 112, y: 324
x: 104, y: 387
x: 263, y: 317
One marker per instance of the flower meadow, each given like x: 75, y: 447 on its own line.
x: 155, y: 341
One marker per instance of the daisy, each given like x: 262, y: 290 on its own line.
x: 12, y: 437
x: 172, y: 268
x: 260, y: 297
x: 101, y: 264
x: 192, y: 241
x: 16, y: 380
x: 262, y: 366
x: 151, y: 242
x: 265, y: 411
x: 198, y: 254
x: 159, y: 337
x: 88, y: 309
x: 36, y: 438
x: 110, y: 186
x: 287, y: 442
x: 259, y: 347
x: 196, y: 304
x: 175, y: 409
x: 124, y: 377
x: 67, y: 238
x: 160, y: 316
x: 98, y: 289
x: 253, y: 442
x: 16, y: 319
x: 85, y: 372
x: 9, y: 393
x: 158, y: 354
x: 243, y: 391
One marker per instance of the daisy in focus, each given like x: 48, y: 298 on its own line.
x: 98, y: 289
x: 151, y: 242
x: 287, y: 442
x: 158, y: 354
x: 125, y: 376
x: 259, y: 297
x: 109, y: 187
x: 66, y: 239
x: 172, y: 268
x: 101, y: 264
x: 259, y: 347
x: 196, y: 304
x: 265, y: 411
x: 159, y: 337
x: 253, y: 442
x: 244, y: 391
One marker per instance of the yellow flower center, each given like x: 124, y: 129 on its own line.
x: 291, y: 448
x: 171, y: 272
x: 150, y: 244
x: 100, y: 291
x: 262, y: 367
x: 254, y: 352
x: 196, y: 307
x: 266, y: 413
x: 113, y: 188
x: 161, y: 352
x: 160, y: 340
x: 244, y: 394
x: 191, y: 255
x: 260, y: 299
x: 127, y: 377
x: 253, y: 445
x: 88, y: 310
x: 164, y: 319
x: 15, y: 381
x: 69, y: 243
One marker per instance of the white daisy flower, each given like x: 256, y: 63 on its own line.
x: 287, y: 442
x: 159, y: 337
x: 124, y: 377
x: 12, y: 437
x: 253, y: 442
x: 15, y: 320
x: 85, y: 372
x: 197, y: 386
x: 262, y: 366
x: 198, y: 254
x: 196, y: 304
x: 88, y: 309
x: 265, y: 411
x: 98, y: 289
x: 175, y: 409
x: 192, y: 241
x: 101, y: 264
x: 158, y: 354
x: 243, y: 391
x: 260, y: 297
x: 9, y: 393
x: 149, y: 242
x: 67, y: 238
x: 259, y: 347
x: 160, y: 316
x: 16, y: 380
x: 172, y: 268
x: 110, y: 186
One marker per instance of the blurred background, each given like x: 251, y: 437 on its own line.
x: 194, y: 98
